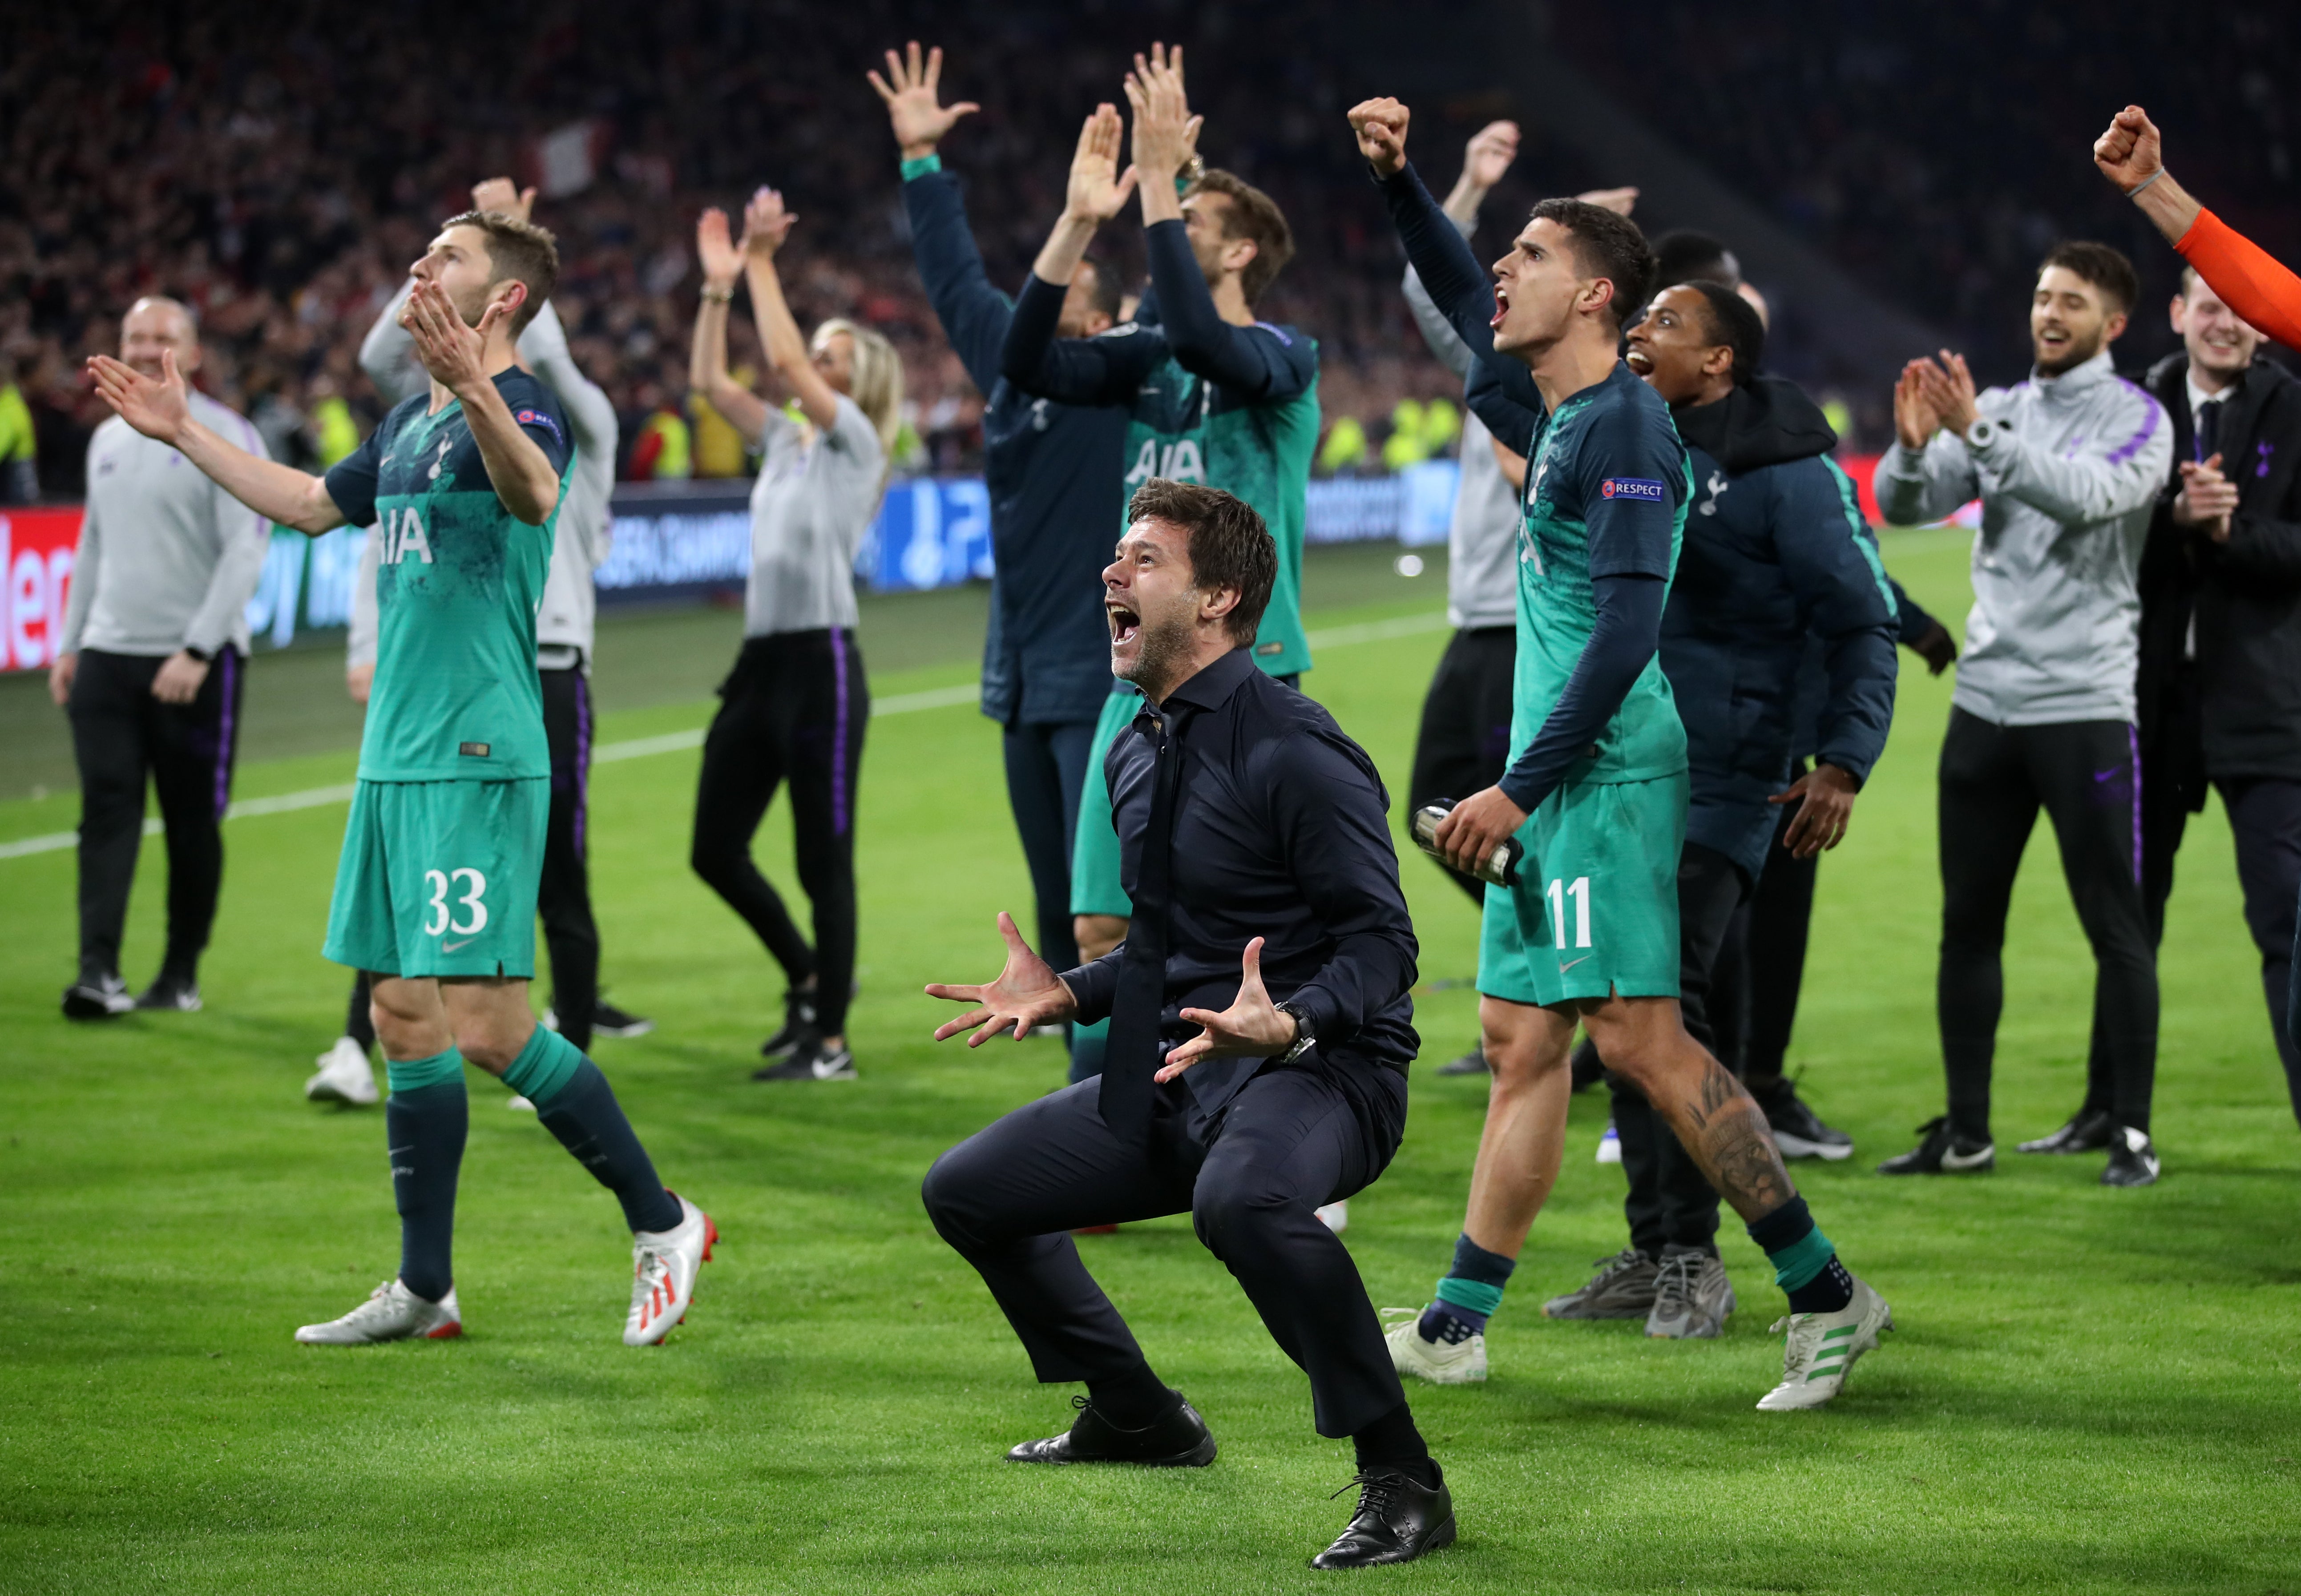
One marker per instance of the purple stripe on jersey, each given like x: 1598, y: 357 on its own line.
x: 582, y: 757
x: 2133, y: 445
x: 2133, y: 742
x: 839, y: 733
x: 228, y: 658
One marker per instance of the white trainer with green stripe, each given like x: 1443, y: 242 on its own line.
x: 1822, y: 1348
x: 1442, y: 1363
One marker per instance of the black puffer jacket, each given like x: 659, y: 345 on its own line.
x: 2234, y: 710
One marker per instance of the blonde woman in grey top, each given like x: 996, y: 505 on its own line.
x: 795, y: 706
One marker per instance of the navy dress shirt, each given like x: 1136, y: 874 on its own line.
x: 1282, y: 831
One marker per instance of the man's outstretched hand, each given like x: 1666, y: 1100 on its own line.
x: 157, y: 409
x: 1824, y: 797
x: 910, y: 90
x: 1098, y: 190
x: 2130, y: 152
x: 1251, y: 1027
x: 504, y: 196
x: 1028, y: 992
x: 1380, y: 124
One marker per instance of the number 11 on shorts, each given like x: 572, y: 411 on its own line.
x: 1559, y: 891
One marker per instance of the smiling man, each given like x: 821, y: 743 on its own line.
x: 1261, y: 1032
x: 436, y: 892
x: 2067, y: 466
x: 1597, y: 788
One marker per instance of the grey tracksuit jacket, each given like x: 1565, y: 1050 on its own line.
x: 166, y: 558
x: 580, y: 547
x: 2067, y: 477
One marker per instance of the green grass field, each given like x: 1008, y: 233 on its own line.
x: 2090, y: 1389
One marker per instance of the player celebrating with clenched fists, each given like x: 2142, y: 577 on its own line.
x: 436, y: 892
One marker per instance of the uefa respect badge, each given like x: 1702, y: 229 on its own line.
x: 1647, y: 489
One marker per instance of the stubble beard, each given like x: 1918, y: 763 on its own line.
x: 1165, y: 648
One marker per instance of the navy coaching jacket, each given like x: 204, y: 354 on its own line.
x: 1776, y: 549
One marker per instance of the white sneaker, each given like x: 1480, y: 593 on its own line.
x: 1821, y: 1348
x: 1336, y: 1215
x: 1609, y: 1144
x: 518, y: 1104
x: 664, y: 1267
x: 346, y: 1076
x: 1462, y: 1362
x: 392, y: 1313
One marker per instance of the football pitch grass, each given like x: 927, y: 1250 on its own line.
x: 2089, y: 1390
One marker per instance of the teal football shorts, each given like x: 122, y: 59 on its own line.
x: 439, y: 878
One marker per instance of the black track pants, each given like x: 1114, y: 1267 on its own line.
x: 564, y: 894
x: 1464, y: 743
x: 793, y: 710
x: 122, y: 737
x: 1670, y: 1200
x: 2087, y: 777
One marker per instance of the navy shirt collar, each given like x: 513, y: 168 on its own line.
x: 1212, y: 687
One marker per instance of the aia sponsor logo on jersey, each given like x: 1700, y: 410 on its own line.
x: 1646, y: 490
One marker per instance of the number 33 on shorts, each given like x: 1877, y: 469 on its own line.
x: 467, y: 916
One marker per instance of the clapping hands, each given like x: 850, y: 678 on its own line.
x: 1929, y: 396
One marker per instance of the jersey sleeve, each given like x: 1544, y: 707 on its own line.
x: 351, y: 481
x: 538, y: 415
x: 2248, y: 279
x: 1630, y: 472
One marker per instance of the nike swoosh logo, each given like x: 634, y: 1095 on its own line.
x: 1570, y: 962
x: 1953, y: 1159
x: 457, y: 947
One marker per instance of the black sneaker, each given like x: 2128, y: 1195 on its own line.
x: 1798, y: 1130
x: 1181, y: 1440
x: 2089, y: 1130
x: 798, y: 1025
x: 607, y: 1020
x: 1398, y: 1518
x: 180, y: 993
x: 2132, y: 1158
x: 98, y: 995
x: 1943, y: 1152
x: 1472, y: 1063
x: 816, y: 1061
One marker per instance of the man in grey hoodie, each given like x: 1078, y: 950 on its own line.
x: 2067, y: 466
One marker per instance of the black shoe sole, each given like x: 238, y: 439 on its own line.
x: 1464, y: 1067
x: 77, y: 1007
x: 1441, y: 1536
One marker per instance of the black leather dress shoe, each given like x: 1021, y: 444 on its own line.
x: 1398, y: 1518
x: 1181, y: 1440
x: 2089, y: 1130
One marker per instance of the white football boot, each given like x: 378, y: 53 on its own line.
x: 1821, y: 1348
x: 346, y: 1076
x: 664, y: 1267
x: 1336, y: 1216
x: 1461, y: 1362
x: 392, y: 1313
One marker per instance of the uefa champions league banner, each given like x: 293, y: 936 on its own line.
x: 673, y: 541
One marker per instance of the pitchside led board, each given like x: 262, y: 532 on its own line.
x: 673, y: 542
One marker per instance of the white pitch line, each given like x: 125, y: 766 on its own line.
x: 673, y: 742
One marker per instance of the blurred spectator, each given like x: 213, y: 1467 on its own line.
x: 19, y: 465
x: 1346, y: 447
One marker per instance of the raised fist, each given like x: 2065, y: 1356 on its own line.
x: 1380, y: 125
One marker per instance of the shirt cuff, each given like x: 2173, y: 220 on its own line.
x: 918, y: 166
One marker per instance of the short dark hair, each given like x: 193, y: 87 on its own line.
x: 1230, y: 548
x: 518, y: 251
x: 1107, y: 295
x: 1684, y: 255
x: 2104, y: 268
x: 1733, y: 321
x: 1607, y: 245
x: 1251, y: 214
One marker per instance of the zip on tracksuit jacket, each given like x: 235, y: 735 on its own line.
x: 2067, y: 472
x: 1776, y: 551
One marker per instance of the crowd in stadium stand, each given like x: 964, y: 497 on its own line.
x: 278, y: 162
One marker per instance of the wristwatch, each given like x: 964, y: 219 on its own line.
x: 1306, y: 1037
x: 1982, y: 433
x: 203, y: 656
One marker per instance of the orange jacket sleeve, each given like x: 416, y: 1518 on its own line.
x: 2249, y: 281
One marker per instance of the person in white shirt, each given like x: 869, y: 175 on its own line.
x: 795, y: 706
x: 150, y: 665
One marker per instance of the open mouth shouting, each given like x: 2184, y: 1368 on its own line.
x: 1126, y: 625
x: 1502, y: 306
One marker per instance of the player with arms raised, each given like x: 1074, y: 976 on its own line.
x: 1597, y: 788
x: 436, y: 892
